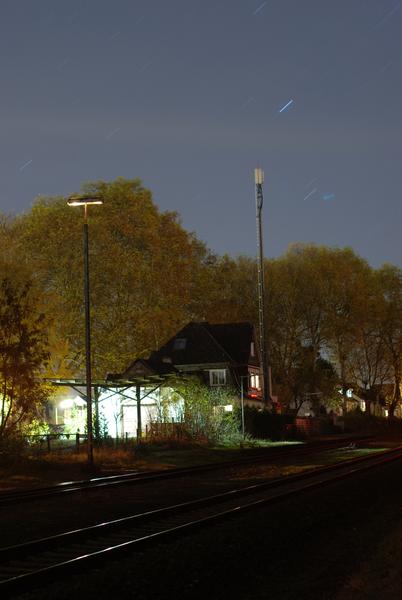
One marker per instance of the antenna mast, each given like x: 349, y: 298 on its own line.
x: 266, y: 375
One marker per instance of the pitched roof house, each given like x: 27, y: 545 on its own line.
x: 225, y: 354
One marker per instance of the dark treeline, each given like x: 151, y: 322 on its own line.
x: 332, y: 320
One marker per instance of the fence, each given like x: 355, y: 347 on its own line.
x: 282, y: 426
x: 72, y: 442
x: 49, y: 442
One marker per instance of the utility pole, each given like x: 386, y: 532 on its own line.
x: 266, y: 374
x: 139, y: 420
x: 242, y: 377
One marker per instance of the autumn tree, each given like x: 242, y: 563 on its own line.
x: 346, y: 309
x: 229, y: 292
x: 284, y: 329
x: 145, y: 271
x: 297, y: 333
x: 23, y: 354
x: 317, y: 307
x: 390, y: 283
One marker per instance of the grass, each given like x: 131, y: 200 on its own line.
x: 55, y: 467
x: 46, y: 468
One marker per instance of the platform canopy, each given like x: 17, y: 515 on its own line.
x: 108, y: 383
x: 114, y: 386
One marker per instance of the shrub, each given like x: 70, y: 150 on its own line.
x: 359, y: 422
x: 266, y: 425
x: 200, y: 411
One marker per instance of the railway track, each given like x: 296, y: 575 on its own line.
x: 137, y: 477
x: 39, y: 561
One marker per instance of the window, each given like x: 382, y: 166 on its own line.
x: 254, y: 381
x: 179, y: 344
x: 217, y: 377
x: 252, y: 349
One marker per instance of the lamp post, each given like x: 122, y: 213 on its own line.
x: 242, y: 377
x: 85, y: 201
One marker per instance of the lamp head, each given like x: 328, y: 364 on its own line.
x: 83, y: 200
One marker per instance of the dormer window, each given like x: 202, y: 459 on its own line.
x: 179, y: 344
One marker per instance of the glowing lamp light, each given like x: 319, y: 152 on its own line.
x: 228, y: 407
x: 67, y: 403
x: 71, y: 402
x: 83, y: 200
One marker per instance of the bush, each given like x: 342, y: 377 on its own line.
x: 266, y: 425
x: 359, y: 422
x: 199, y: 410
x: 35, y: 427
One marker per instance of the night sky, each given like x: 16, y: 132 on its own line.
x: 191, y: 95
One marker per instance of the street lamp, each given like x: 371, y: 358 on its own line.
x: 85, y: 201
x: 242, y: 377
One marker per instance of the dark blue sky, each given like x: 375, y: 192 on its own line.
x: 186, y: 95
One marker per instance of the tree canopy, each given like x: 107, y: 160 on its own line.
x: 145, y: 272
x: 23, y: 355
x: 331, y: 318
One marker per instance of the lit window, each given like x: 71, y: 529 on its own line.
x: 217, y: 377
x: 179, y: 344
x: 255, y: 381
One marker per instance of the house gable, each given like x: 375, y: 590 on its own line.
x: 238, y: 340
x: 143, y: 367
x: 206, y: 344
x: 220, y: 354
